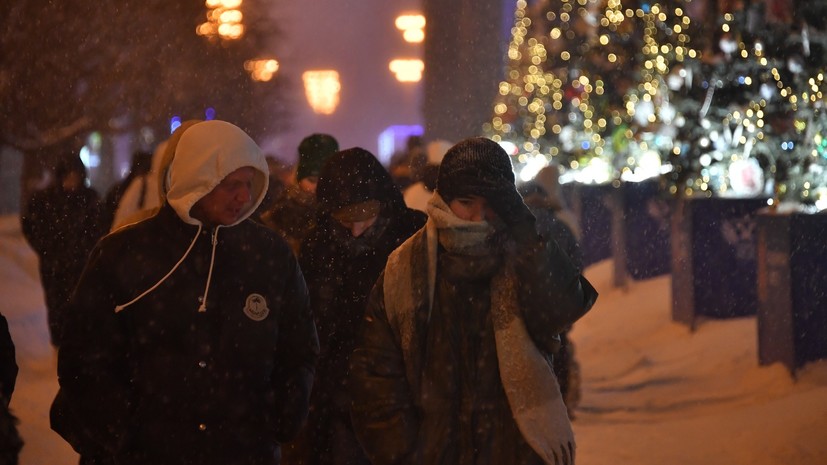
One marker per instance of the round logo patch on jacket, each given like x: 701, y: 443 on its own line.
x: 256, y: 307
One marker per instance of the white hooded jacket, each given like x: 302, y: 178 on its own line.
x: 206, y: 153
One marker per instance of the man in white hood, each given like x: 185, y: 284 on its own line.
x: 188, y: 338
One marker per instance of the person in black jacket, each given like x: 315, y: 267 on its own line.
x: 10, y: 441
x: 8, y: 362
x: 546, y: 208
x: 361, y: 218
x: 62, y: 224
x: 452, y: 366
x: 189, y: 339
x: 293, y: 212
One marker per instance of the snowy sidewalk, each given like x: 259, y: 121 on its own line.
x: 24, y: 308
x: 653, y: 392
x: 656, y: 393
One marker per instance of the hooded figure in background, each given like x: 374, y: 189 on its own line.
x: 140, y: 166
x: 189, y: 339
x: 293, y: 212
x: 548, y: 179
x: 417, y: 194
x: 361, y: 219
x: 452, y: 367
x: 62, y: 224
x: 145, y: 194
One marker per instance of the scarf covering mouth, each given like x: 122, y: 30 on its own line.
x: 525, y: 372
x: 455, y: 234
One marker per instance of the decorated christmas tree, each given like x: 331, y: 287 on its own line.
x: 614, y: 89
x: 759, y: 126
x: 586, y: 85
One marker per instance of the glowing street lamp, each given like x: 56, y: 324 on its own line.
x: 223, y: 20
x: 322, y: 90
x: 261, y: 70
x: 412, y: 27
x: 407, y: 70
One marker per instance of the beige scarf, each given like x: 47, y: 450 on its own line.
x: 528, y: 380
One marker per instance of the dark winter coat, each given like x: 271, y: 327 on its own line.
x: 8, y: 362
x: 293, y: 215
x: 550, y: 222
x: 62, y: 227
x: 441, y: 402
x: 340, y: 271
x: 188, y: 343
x: 547, y: 211
x: 247, y: 381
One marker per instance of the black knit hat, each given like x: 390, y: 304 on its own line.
x: 313, y: 151
x: 472, y: 167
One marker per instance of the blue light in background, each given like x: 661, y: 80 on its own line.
x: 209, y: 114
x: 174, y: 122
x: 395, y: 138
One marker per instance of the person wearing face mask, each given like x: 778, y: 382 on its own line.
x: 361, y: 218
x: 453, y: 363
x: 189, y: 338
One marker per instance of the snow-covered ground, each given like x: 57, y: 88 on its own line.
x: 654, y: 393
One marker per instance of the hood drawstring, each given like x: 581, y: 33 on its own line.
x: 118, y: 308
x: 203, y: 307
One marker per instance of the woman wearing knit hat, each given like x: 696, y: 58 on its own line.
x: 453, y: 362
x: 361, y: 219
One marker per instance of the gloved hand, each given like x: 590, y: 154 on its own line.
x: 513, y: 212
x: 508, y: 205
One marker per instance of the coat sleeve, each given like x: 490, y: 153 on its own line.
x: 8, y: 362
x: 384, y: 416
x: 553, y: 292
x: 297, y: 353
x: 92, y: 405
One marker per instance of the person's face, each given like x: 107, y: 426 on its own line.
x: 471, y: 208
x: 357, y: 228
x: 226, y: 203
x: 309, y: 183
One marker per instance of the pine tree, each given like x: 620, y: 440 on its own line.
x: 762, y: 113
x: 586, y: 55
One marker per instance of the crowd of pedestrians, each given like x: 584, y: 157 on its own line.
x: 212, y: 311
